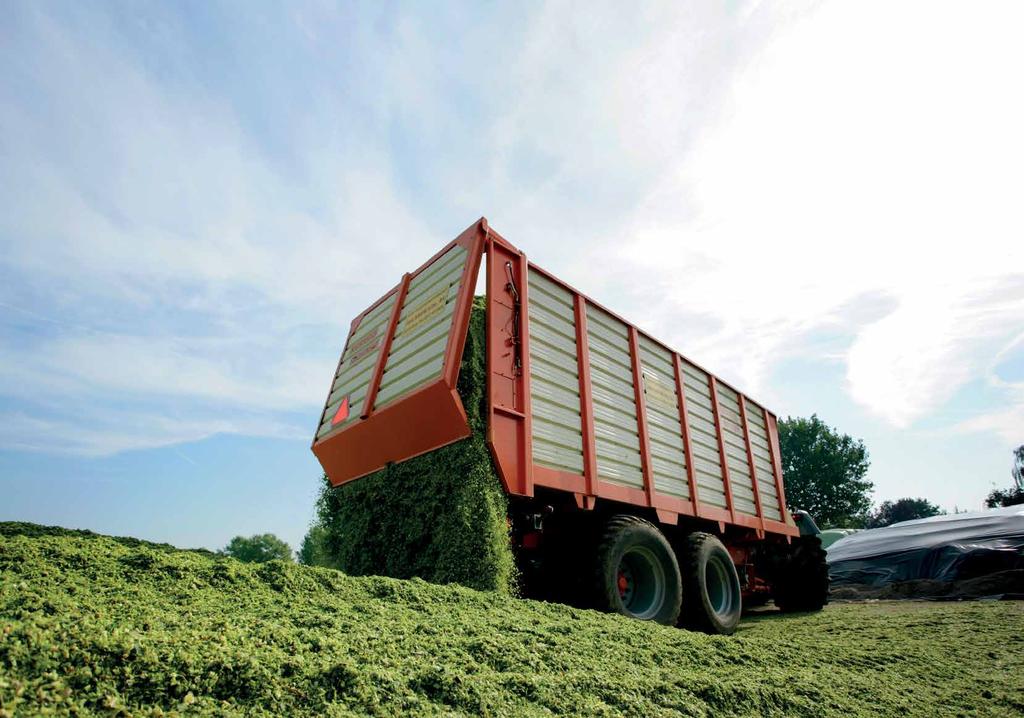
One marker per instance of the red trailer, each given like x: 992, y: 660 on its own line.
x: 638, y: 481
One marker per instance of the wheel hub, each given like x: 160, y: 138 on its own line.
x: 640, y: 580
x: 723, y: 596
x: 625, y: 584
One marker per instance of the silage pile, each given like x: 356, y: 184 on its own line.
x: 441, y: 516
x: 91, y: 625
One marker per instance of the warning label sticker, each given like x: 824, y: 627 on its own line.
x: 364, y: 346
x: 342, y: 413
x: 430, y: 308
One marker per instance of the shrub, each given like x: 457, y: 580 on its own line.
x: 258, y: 549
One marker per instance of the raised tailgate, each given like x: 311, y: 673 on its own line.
x: 394, y: 394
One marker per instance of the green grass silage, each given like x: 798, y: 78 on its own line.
x: 441, y: 516
x: 94, y: 626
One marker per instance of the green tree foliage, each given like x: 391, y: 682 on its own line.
x: 313, y: 551
x: 258, y: 549
x: 824, y: 472
x: 1014, y: 495
x: 891, y: 512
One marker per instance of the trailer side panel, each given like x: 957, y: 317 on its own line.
x: 617, y: 415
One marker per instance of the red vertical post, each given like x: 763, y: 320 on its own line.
x: 750, y: 462
x: 713, y: 385
x: 510, y: 425
x: 521, y: 272
x: 385, y: 349
x: 464, y: 304
x: 773, y: 444
x: 641, y: 415
x: 691, y: 476
x: 586, y: 398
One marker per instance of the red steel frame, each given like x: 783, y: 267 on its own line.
x: 750, y: 462
x: 773, y: 442
x: 641, y: 416
x: 509, y: 426
x: 586, y: 404
x: 432, y: 416
x: 382, y: 357
x: 691, y: 476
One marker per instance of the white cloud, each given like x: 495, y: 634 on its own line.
x: 938, y: 339
x: 738, y: 177
x: 255, y: 373
x: 154, y: 185
x: 1006, y: 421
x: 870, y: 150
x: 98, y: 394
x: 105, y: 433
x: 169, y: 257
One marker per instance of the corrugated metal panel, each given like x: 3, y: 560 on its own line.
x: 357, y: 362
x: 616, y: 434
x: 740, y: 481
x: 763, y: 462
x: 707, y: 467
x: 421, y: 337
x: 664, y: 430
x: 554, y: 377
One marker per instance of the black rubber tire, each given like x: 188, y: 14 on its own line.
x: 632, y: 551
x: 712, y: 597
x: 801, y: 582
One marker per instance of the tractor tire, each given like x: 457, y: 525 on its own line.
x: 801, y: 582
x: 636, y: 573
x: 712, y: 600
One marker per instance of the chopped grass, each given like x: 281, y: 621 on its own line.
x: 91, y: 625
x: 441, y: 516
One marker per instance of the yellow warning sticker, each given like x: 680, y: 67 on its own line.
x: 428, y: 310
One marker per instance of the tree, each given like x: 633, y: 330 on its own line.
x: 1014, y: 495
x: 258, y: 549
x: 314, y: 551
x: 891, y: 512
x: 824, y: 472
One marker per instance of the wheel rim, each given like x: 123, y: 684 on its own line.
x: 723, y: 593
x: 641, y: 583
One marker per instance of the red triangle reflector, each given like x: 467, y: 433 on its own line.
x: 342, y: 412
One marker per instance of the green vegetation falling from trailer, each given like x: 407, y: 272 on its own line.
x: 441, y: 516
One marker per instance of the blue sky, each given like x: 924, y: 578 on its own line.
x: 820, y: 201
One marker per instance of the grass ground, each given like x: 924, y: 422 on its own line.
x: 91, y: 625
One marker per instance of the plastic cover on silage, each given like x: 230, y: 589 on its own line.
x: 441, y: 516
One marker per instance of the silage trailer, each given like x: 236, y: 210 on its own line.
x: 638, y: 481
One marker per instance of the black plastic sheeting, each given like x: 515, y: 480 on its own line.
x: 942, y: 548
